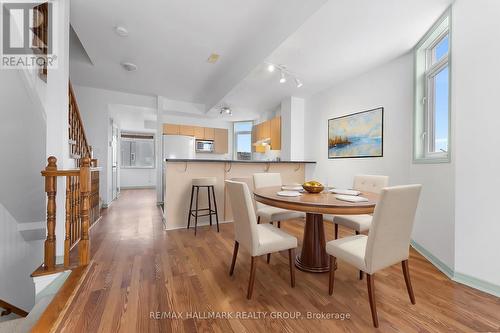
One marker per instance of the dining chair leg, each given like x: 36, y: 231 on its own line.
x: 279, y: 224
x: 258, y: 219
x: 268, y: 258
x: 235, y: 254
x: 360, y: 271
x: 336, y: 231
x: 190, y: 206
x: 406, y: 273
x: 333, y: 260
x: 251, y: 281
x: 371, y: 296
x: 291, y: 257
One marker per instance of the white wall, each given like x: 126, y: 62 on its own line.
x: 292, y: 111
x: 137, y: 178
x: 139, y: 120
x: 94, y: 106
x: 389, y: 86
x: 18, y: 258
x: 475, y: 88
x: 22, y: 194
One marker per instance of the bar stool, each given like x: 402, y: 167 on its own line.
x: 209, y: 183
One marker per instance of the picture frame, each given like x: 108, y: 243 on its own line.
x: 357, y: 135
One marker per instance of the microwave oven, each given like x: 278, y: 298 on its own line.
x: 204, y: 146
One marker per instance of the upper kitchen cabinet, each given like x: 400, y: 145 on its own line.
x: 186, y: 130
x: 171, y: 129
x: 199, y: 132
x: 270, y: 129
x: 220, y: 140
x: 209, y: 133
x: 275, y: 133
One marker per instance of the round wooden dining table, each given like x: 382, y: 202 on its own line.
x: 313, y: 256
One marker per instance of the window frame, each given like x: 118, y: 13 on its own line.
x: 146, y: 137
x: 235, y: 138
x: 424, y: 111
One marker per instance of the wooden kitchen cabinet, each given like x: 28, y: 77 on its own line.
x: 275, y: 133
x: 266, y: 130
x: 209, y: 133
x: 186, y: 130
x: 170, y: 129
x: 220, y: 140
x: 199, y: 132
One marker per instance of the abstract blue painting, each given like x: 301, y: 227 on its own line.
x: 356, y: 135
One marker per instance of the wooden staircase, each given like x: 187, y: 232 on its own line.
x: 82, y: 211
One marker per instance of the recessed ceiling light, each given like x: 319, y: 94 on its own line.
x: 121, y: 31
x: 283, y: 78
x: 128, y: 66
x: 212, y: 59
x: 271, y: 68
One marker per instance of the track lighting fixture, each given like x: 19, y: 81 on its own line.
x: 284, y: 74
x: 298, y: 82
x: 226, y: 110
x: 282, y: 78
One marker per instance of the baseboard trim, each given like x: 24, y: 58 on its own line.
x: 461, y: 278
x: 478, y: 284
x: 137, y: 187
x: 447, y: 270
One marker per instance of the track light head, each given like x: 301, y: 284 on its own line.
x: 271, y: 68
x: 283, y: 78
x: 298, y: 82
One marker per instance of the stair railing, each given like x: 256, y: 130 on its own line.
x: 82, y: 211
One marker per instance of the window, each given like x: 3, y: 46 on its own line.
x: 137, y: 150
x: 432, y: 94
x: 243, y: 140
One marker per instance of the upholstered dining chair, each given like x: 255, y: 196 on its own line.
x: 267, y: 213
x: 359, y: 223
x: 257, y: 239
x: 387, y: 242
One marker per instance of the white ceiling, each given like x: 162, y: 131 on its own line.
x: 342, y: 39
x: 170, y: 41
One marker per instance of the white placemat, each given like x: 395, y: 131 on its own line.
x: 350, y: 198
x: 289, y: 193
x: 344, y: 192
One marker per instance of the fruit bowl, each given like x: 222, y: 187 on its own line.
x: 313, y: 187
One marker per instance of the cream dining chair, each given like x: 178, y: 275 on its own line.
x: 387, y: 242
x: 359, y: 223
x: 257, y: 239
x: 269, y: 214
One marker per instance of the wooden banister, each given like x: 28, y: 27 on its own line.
x: 9, y: 308
x: 82, y: 207
x: 78, y: 144
x: 51, y: 190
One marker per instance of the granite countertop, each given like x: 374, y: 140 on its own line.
x: 229, y: 161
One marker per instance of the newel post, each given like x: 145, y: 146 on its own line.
x: 51, y: 189
x: 85, y: 187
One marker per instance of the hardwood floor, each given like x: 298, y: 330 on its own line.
x: 139, y: 268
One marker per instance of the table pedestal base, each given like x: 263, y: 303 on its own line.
x: 313, y: 257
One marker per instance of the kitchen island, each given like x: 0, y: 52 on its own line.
x: 179, y: 173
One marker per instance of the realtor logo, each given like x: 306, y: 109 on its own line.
x: 27, y: 35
